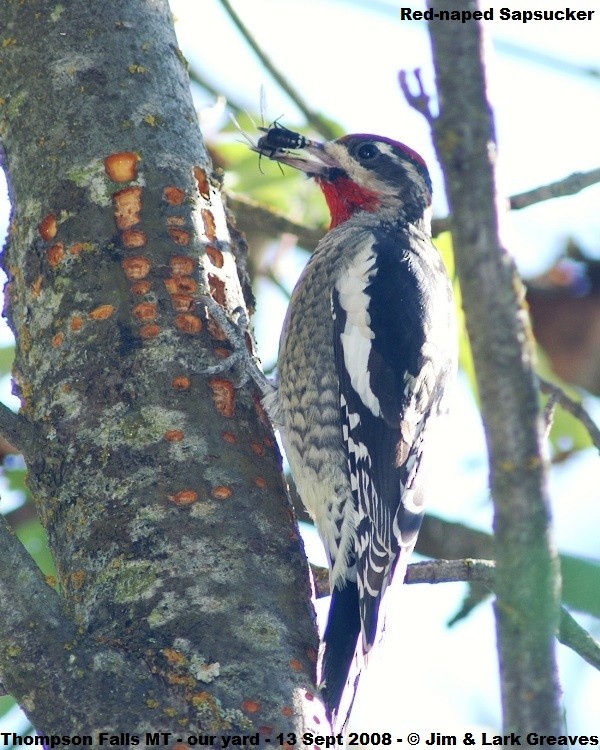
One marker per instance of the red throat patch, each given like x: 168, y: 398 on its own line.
x: 345, y: 198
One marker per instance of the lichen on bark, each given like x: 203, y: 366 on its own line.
x: 164, y: 530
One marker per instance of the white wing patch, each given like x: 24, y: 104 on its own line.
x: 357, y: 335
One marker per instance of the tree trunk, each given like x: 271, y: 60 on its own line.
x: 184, y: 602
x: 528, y: 576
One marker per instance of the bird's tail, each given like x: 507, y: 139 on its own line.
x: 340, y: 670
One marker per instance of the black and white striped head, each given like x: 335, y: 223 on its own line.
x: 362, y: 172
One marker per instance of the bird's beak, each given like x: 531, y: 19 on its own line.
x: 311, y: 158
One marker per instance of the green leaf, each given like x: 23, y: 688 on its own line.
x: 581, y: 583
x: 443, y: 242
x: 7, y: 355
x: 16, y: 479
x: 33, y: 537
x: 6, y: 704
x: 567, y: 433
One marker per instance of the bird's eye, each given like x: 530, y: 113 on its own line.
x: 367, y: 151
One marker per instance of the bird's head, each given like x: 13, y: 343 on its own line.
x: 358, y: 172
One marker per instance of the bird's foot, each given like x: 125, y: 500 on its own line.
x: 235, y: 331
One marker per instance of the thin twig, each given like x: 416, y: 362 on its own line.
x: 441, y: 225
x: 441, y: 539
x: 570, y: 185
x: 549, y: 410
x: 321, y: 580
x: 420, y: 100
x: 571, y: 634
x: 314, y: 119
x: 309, y: 237
x: 429, y: 571
x: 269, y: 274
x: 566, y: 67
x: 573, y: 407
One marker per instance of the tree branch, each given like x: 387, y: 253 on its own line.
x: 39, y: 641
x: 570, y: 185
x: 251, y: 213
x: 558, y: 395
x: 442, y: 539
x: 18, y: 431
x: 197, y: 78
x: 469, y: 570
x: 571, y: 634
x: 528, y: 583
x: 420, y: 100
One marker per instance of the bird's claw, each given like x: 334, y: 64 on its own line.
x: 235, y: 331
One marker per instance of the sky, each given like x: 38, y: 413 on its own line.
x: 344, y: 58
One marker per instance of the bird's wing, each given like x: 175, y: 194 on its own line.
x: 387, y: 389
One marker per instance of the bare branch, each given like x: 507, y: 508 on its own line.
x: 451, y: 571
x: 270, y: 274
x: 420, y: 100
x: 251, y: 213
x: 18, y: 431
x: 320, y: 577
x: 24, y: 594
x: 571, y: 634
x: 428, y: 571
x: 527, y: 587
x: 570, y: 185
x: 438, y: 226
x: 549, y: 410
x: 558, y: 395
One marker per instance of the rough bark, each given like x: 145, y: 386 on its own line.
x: 183, y: 587
x: 528, y: 580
